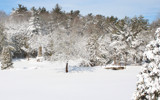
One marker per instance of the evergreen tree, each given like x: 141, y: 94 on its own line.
x: 35, y: 24
x: 35, y: 33
x: 6, y: 56
x: 92, y: 49
x: 148, y: 85
x: 20, y: 14
x: 21, y: 9
x: 57, y: 9
x: 6, y: 59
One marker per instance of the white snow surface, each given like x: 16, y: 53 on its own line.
x: 31, y: 80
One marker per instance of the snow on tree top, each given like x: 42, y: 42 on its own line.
x: 157, y: 33
x: 158, y: 30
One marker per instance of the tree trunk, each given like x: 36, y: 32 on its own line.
x: 155, y: 96
x: 135, y: 60
x: 39, y: 57
x: 125, y: 62
x: 40, y: 52
x: 27, y: 56
x: 119, y: 63
x: 119, y: 60
x: 115, y: 61
x: 67, y: 67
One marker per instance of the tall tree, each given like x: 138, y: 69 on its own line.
x: 148, y: 84
x: 35, y: 33
x: 93, y: 50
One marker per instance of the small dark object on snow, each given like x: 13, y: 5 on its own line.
x: 115, y: 68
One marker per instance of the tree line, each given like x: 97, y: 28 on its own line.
x: 59, y: 35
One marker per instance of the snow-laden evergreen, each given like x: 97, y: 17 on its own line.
x: 6, y: 56
x: 148, y: 84
x: 92, y: 48
x: 6, y: 59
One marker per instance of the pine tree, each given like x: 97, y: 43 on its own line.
x: 35, y: 34
x: 6, y: 56
x: 92, y: 48
x: 34, y: 24
x: 148, y: 85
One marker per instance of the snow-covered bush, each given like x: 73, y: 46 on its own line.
x: 6, y: 59
x: 6, y: 56
x: 148, y: 85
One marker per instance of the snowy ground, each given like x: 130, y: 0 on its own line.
x: 31, y: 80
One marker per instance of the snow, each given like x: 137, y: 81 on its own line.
x: 31, y: 80
x: 157, y: 31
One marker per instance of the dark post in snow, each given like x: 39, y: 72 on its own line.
x: 67, y: 67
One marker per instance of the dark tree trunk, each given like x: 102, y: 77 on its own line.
x: 67, y: 67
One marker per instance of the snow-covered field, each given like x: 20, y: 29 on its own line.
x: 31, y: 80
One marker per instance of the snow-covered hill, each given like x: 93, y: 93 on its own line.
x: 31, y: 80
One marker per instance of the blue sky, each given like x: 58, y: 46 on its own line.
x: 120, y: 8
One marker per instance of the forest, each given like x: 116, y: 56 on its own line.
x: 57, y: 35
